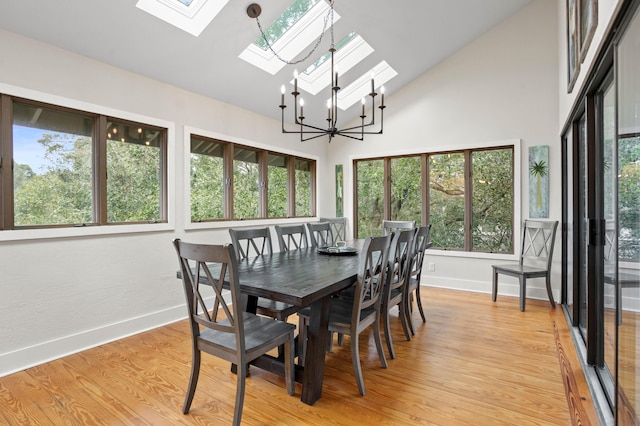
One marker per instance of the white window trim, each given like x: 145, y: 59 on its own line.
x: 223, y: 223
x: 82, y: 231
x: 517, y: 191
x: 192, y: 19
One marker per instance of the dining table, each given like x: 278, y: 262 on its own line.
x: 304, y: 277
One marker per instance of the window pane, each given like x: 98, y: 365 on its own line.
x: 53, y: 171
x: 370, y: 197
x: 492, y: 200
x: 134, y: 173
x: 406, y: 189
x: 277, y: 186
x: 207, y: 179
x: 446, y: 196
x: 246, y: 184
x: 303, y: 187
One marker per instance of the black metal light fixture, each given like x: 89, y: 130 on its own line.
x: 309, y: 131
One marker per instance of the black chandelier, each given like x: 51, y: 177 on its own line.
x: 309, y: 131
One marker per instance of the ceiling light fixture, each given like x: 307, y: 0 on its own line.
x: 308, y: 131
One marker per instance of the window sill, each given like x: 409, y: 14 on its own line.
x: 472, y: 254
x: 81, y: 231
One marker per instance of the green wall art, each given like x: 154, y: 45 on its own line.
x: 339, y: 192
x: 539, y: 181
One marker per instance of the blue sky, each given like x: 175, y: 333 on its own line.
x: 26, y: 149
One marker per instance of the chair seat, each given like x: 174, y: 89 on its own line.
x: 340, y: 312
x: 259, y: 331
x: 274, y: 309
x: 515, y: 269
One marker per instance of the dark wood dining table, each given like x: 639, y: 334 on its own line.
x: 302, y: 278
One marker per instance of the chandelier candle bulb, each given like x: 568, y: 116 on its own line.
x: 373, y: 90
x: 282, y: 90
x: 382, y: 96
x: 363, y: 102
x: 295, y: 81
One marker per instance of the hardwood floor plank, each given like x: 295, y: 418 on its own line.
x: 473, y: 363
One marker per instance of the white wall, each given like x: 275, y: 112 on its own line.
x: 61, y: 295
x: 501, y: 87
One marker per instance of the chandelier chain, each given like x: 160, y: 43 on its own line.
x: 315, y: 46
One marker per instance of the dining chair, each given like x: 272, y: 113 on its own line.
x: 251, y: 242
x: 536, y: 253
x: 219, y: 326
x: 257, y: 242
x: 338, y: 227
x: 292, y: 237
x: 320, y: 234
x: 395, y: 288
x: 421, y: 242
x: 352, y: 316
x: 391, y: 226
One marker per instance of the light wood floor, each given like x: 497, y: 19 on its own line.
x: 473, y: 363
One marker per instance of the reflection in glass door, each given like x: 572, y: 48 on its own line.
x: 628, y: 235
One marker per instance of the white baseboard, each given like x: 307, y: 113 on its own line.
x: 21, y: 359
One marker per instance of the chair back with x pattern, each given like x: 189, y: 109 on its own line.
x: 292, y: 237
x: 538, y: 240
x: 251, y: 242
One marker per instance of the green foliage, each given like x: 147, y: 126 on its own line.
x: 277, y: 190
x: 133, y: 182
x: 492, y: 223
x: 406, y: 189
x: 207, y: 187
x: 63, y: 193
x: 370, y: 197
x: 446, y: 197
x: 246, y: 190
x: 629, y: 199
x: 303, y: 193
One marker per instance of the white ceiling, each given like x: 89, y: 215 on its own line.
x: 411, y: 35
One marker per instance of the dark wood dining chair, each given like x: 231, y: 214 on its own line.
x: 395, y: 288
x: 536, y: 253
x: 351, y: 316
x: 338, y: 227
x: 251, y: 242
x: 421, y: 242
x: 391, y: 226
x: 220, y: 326
x: 292, y: 237
x: 320, y: 234
x: 257, y: 242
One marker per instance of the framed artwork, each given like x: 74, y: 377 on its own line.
x: 588, y: 21
x: 539, y: 181
x: 339, y: 192
x: 573, y: 64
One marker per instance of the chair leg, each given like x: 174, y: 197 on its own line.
x: 289, y: 369
x: 523, y: 292
x: 355, y: 359
x: 241, y: 380
x: 549, y: 292
x: 405, y: 318
x: 419, y: 302
x: 494, y: 291
x: 387, y: 332
x: 407, y: 303
x: 193, y: 380
x: 377, y: 337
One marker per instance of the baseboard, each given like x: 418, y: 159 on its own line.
x: 505, y: 288
x: 21, y: 359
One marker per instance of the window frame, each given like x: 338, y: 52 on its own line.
x: 514, y: 144
x: 263, y: 152
x: 9, y: 94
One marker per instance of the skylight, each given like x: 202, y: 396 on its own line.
x: 362, y: 86
x: 349, y: 52
x: 191, y: 16
x: 291, y: 38
x: 285, y: 21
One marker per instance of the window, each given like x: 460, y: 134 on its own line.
x: 246, y: 184
x: 304, y: 187
x: 207, y: 179
x: 467, y: 197
x: 235, y: 182
x: 278, y: 181
x: 134, y: 172
x: 74, y: 168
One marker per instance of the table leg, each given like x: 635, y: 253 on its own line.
x: 318, y: 337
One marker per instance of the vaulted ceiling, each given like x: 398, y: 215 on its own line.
x: 410, y: 35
